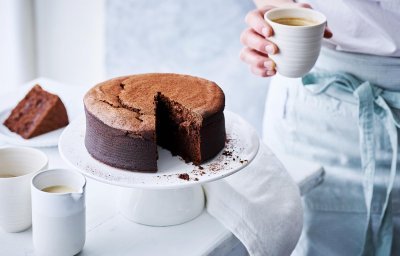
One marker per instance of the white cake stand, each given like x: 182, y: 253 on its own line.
x: 174, y: 194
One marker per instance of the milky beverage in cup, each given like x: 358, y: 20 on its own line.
x: 17, y: 167
x: 59, y: 189
x: 298, y: 33
x: 294, y: 21
x: 6, y: 175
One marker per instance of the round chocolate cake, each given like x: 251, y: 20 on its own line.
x: 127, y: 117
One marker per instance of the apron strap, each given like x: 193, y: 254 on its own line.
x: 373, y: 102
x: 366, y: 116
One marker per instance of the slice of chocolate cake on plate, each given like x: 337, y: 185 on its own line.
x: 37, y: 113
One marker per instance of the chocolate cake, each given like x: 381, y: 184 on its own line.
x: 37, y: 113
x: 127, y: 117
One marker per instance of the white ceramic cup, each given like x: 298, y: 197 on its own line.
x: 58, y: 218
x: 17, y: 167
x: 299, y: 46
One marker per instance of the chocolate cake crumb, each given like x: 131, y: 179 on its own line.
x: 201, y: 167
x: 227, y: 153
x: 183, y: 176
x: 196, y: 179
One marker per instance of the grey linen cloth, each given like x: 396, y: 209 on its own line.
x: 260, y: 205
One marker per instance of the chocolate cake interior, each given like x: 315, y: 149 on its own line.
x: 178, y: 129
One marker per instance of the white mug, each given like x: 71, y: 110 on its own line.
x: 58, y: 216
x: 299, y: 46
x: 17, y: 167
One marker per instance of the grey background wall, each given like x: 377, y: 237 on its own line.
x: 200, y: 38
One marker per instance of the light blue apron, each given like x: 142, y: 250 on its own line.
x: 360, y: 89
x: 373, y: 102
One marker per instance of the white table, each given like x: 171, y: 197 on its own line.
x: 109, y: 233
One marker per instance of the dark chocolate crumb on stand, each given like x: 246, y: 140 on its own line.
x: 183, y: 176
x: 227, y: 153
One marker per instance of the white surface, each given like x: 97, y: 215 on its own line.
x: 17, y: 44
x: 70, y: 95
x: 70, y: 40
x: 155, y: 207
x: 15, y: 195
x: 58, y: 219
x: 243, y: 143
x: 299, y: 46
x: 110, y: 233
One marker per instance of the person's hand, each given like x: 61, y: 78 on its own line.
x: 257, y: 47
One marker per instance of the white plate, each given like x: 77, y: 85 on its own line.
x: 241, y: 148
x: 49, y: 139
x: 70, y: 95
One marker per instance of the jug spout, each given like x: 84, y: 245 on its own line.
x: 77, y: 195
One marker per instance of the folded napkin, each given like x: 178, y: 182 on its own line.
x: 260, y: 205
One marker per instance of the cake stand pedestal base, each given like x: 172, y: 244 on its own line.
x: 161, y: 207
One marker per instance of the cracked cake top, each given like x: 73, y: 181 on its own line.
x: 128, y: 103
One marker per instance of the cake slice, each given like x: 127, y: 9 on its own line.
x: 37, y: 113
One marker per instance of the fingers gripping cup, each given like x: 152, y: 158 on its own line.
x: 58, y: 212
x: 17, y: 167
x: 298, y: 33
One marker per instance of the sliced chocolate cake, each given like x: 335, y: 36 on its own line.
x: 37, y: 113
x: 127, y: 117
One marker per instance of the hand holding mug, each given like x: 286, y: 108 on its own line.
x: 261, y: 50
